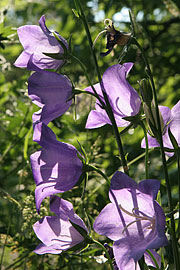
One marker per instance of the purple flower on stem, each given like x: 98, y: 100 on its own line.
x: 56, y: 232
x: 133, y: 219
x: 56, y: 167
x: 171, y: 119
x: 37, y: 40
x: 50, y: 91
x: 124, y: 100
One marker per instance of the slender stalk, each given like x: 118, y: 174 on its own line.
x: 138, y: 157
x: 160, y: 140
x: 106, y: 252
x: 146, y: 151
x: 178, y: 165
x: 108, y: 106
x: 87, y: 76
x: 93, y: 168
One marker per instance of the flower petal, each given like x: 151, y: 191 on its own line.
x: 150, y: 186
x: 124, y: 100
x: 43, y: 249
x: 63, y: 208
x: 108, y: 222
x: 36, y: 41
x: 96, y: 119
x: 56, y: 232
x: 50, y: 91
x: 56, y: 167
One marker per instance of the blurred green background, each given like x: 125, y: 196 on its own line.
x: 157, y: 30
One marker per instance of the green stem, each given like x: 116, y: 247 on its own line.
x: 160, y: 140
x: 146, y: 151
x: 79, y: 91
x: 138, y: 157
x: 87, y: 76
x: 153, y: 258
x: 10, y: 198
x: 108, y: 108
x: 178, y: 165
x: 106, y: 252
x: 93, y: 168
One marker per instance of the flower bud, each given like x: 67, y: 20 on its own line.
x: 150, y: 112
x: 146, y: 91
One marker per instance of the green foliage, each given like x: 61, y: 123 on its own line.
x: 157, y: 29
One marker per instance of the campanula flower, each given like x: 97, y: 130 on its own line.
x: 56, y: 232
x: 56, y: 167
x: 50, y: 91
x: 133, y: 220
x: 171, y: 119
x: 37, y: 40
x: 124, y: 100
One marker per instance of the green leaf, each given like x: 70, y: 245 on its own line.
x: 75, y: 12
x: 26, y: 141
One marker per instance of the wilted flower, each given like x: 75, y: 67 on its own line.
x: 133, y: 219
x: 124, y: 100
x: 56, y: 167
x: 114, y: 37
x: 56, y: 232
x: 50, y: 91
x: 171, y: 119
x: 37, y: 40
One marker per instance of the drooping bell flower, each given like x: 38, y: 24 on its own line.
x: 56, y: 167
x: 171, y: 119
x: 50, y: 91
x: 124, y: 100
x: 133, y: 220
x: 56, y: 232
x: 37, y: 40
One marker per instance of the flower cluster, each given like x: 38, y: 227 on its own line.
x: 133, y: 220
x: 56, y: 167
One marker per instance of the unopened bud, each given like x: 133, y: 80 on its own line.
x: 146, y: 91
x: 150, y: 112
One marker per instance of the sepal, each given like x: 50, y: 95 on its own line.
x: 173, y: 139
x: 146, y: 91
x: 61, y: 43
x: 80, y: 230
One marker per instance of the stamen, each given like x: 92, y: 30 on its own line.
x: 138, y: 218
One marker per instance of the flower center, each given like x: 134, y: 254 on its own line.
x: 138, y: 217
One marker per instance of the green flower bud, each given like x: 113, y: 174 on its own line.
x: 146, y: 91
x: 150, y: 112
